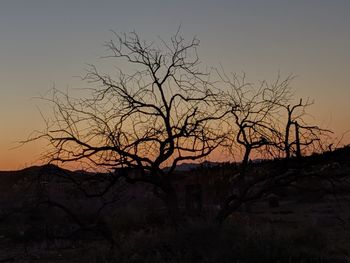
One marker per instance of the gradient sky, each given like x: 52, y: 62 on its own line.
x: 48, y: 42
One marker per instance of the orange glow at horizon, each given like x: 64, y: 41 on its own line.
x: 30, y: 155
x: 47, y: 44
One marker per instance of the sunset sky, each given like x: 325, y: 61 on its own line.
x: 46, y: 42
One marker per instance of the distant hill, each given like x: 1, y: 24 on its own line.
x: 340, y: 154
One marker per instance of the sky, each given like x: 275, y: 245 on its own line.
x: 46, y: 42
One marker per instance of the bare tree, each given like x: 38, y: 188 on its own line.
x: 254, y: 126
x: 253, y: 113
x: 305, y: 136
x: 259, y: 124
x: 158, y: 112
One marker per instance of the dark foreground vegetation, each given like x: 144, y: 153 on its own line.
x: 53, y: 215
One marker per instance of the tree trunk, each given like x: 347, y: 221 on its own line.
x: 227, y: 208
x: 172, y: 204
x: 170, y: 198
x: 297, y: 140
x: 245, y: 161
x: 286, y: 141
x: 244, y: 165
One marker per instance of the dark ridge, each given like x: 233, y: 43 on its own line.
x: 338, y: 155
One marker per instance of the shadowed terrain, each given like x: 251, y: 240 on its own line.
x: 49, y: 214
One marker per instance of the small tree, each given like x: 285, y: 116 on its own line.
x: 159, y: 113
x: 253, y: 111
x: 304, y: 135
x: 259, y: 124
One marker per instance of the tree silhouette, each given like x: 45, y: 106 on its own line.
x: 253, y: 110
x: 258, y: 114
x: 305, y: 136
x: 159, y: 111
x: 254, y: 126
